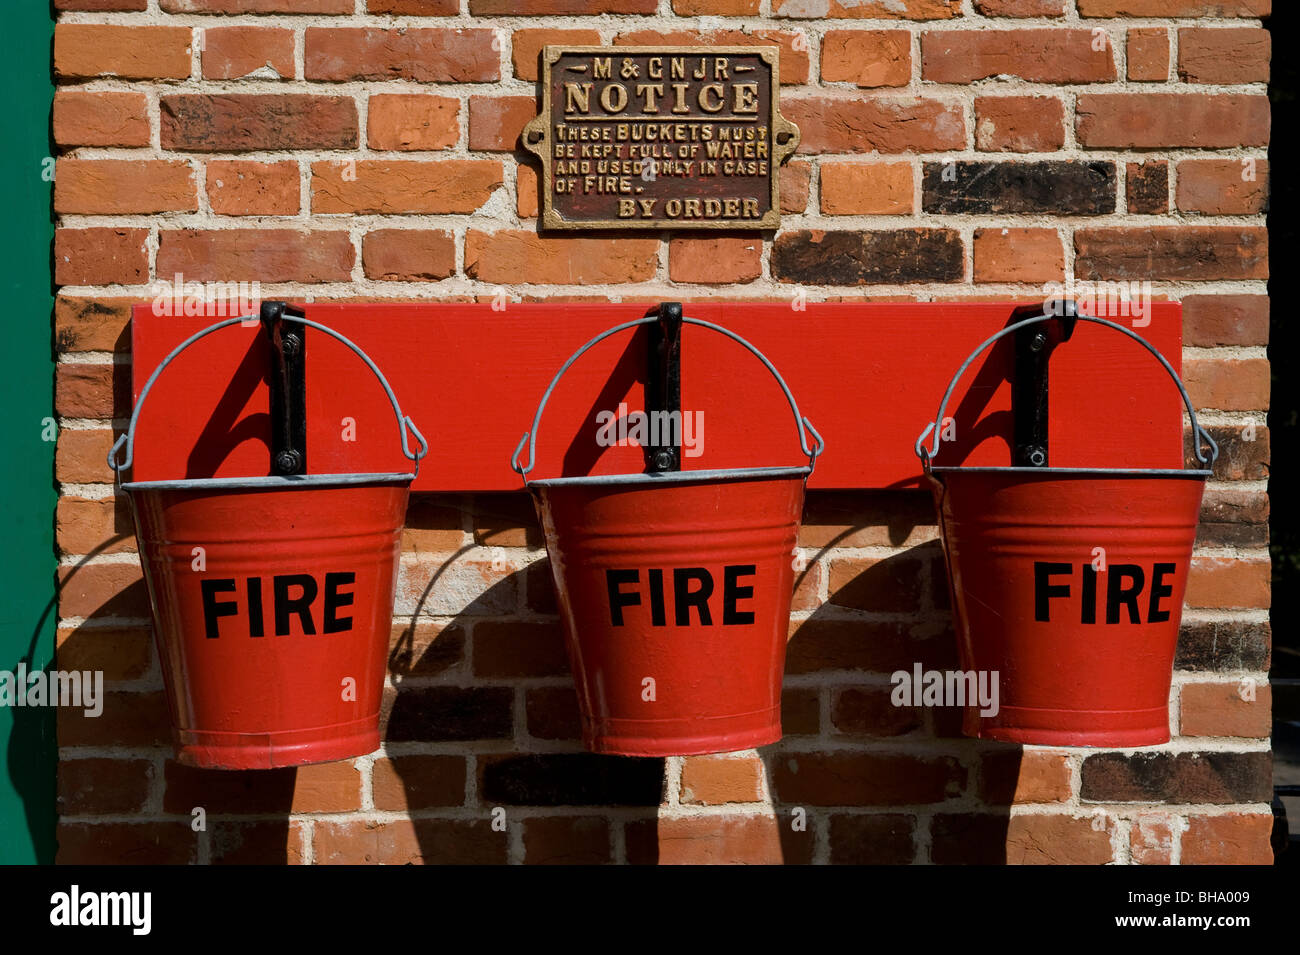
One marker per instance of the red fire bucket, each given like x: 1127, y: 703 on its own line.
x: 674, y: 589
x: 1067, y: 583
x: 272, y: 601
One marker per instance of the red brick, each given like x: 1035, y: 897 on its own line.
x: 496, y: 122
x: 870, y: 711
x: 1148, y: 54
x: 523, y: 8
x: 100, y: 119
x: 887, y: 124
x: 830, y: 644
x: 1155, y: 120
x: 1019, y: 255
x: 876, y: 584
x: 715, y: 780
x: 90, y: 391
x: 1234, y: 838
x: 793, y: 44
x: 1228, y: 384
x: 1222, y: 187
x: 1146, y: 187
x: 1175, y: 8
x: 406, y: 783
x: 323, y: 787
x: 230, y: 53
x: 415, y: 8
x: 1019, y: 124
x: 105, y: 256
x: 566, y: 840
x: 853, y: 188
x: 101, y: 5
x: 1045, y: 55
x: 98, y: 786
x: 1025, y: 776
x: 257, y: 6
x: 526, y: 47
x: 506, y: 520
x: 1198, y: 254
x: 993, y: 839
x: 237, y: 122
x: 263, y: 255
x: 1225, y: 709
x: 422, y: 841
x: 136, y: 52
x: 409, y: 255
x: 127, y: 843
x: 732, y: 840
x: 422, y: 55
x: 869, y: 9
x: 1216, y: 55
x: 520, y: 256
x: 128, y: 719
x: 80, y: 457
x: 426, y: 649
x: 1151, y: 840
x: 1020, y: 8
x: 872, y: 839
x: 412, y: 121
x: 847, y: 778
x: 105, y: 590
x: 715, y: 8
x: 403, y: 186
x: 1228, y: 582
x: 122, y: 653
x: 519, y: 648
x: 795, y: 178
x: 124, y: 187
x: 1212, y: 320
x: 867, y: 57
x: 104, y: 526
x: 273, y: 842
x: 245, y: 188
x: 714, y: 260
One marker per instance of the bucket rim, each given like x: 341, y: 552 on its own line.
x: 269, y: 483
x: 1108, y: 472
x: 674, y: 477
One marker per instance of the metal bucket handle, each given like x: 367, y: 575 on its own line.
x: 530, y: 436
x: 403, y: 422
x: 925, y: 454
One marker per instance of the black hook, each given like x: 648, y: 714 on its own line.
x: 287, y: 380
x: 663, y: 389
x: 1029, y: 381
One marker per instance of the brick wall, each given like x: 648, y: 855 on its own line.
x: 366, y: 149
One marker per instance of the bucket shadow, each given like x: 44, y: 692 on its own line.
x: 873, y: 779
x: 491, y: 674
x: 245, y: 813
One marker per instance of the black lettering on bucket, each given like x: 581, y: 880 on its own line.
x: 692, y: 588
x: 214, y: 609
x: 292, y: 595
x: 1124, y: 586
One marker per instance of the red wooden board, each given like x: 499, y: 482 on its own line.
x: 868, y: 375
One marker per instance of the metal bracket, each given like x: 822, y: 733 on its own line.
x: 663, y: 389
x: 287, y: 379
x: 1030, y: 384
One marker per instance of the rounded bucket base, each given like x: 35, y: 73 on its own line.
x: 682, y: 737
x: 1107, y: 729
x: 277, y: 750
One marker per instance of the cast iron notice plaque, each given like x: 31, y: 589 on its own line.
x: 660, y: 137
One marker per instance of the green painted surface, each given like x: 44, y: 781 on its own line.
x: 27, y: 561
